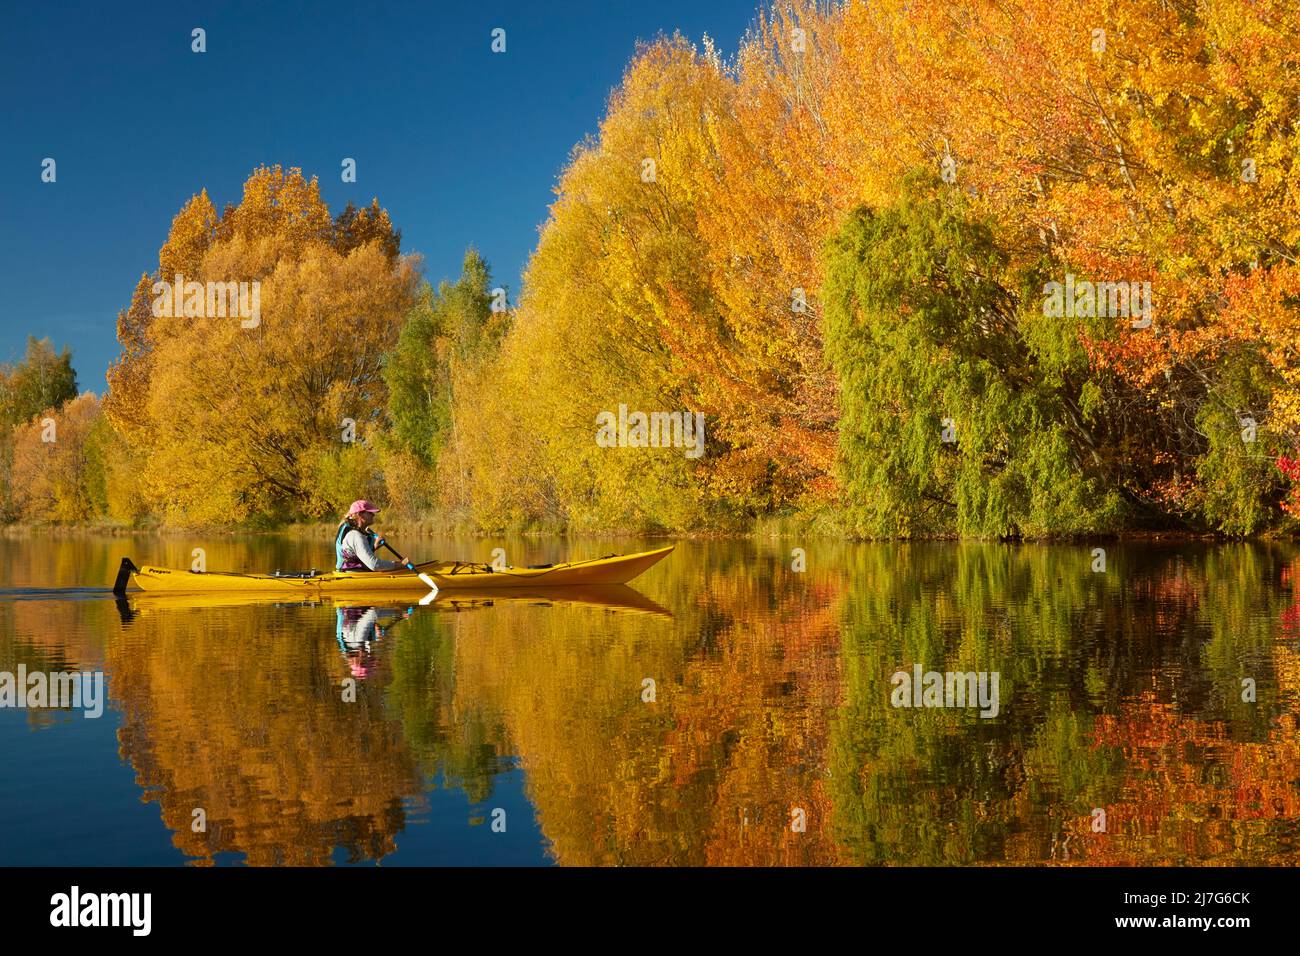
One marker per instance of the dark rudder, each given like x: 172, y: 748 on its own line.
x: 124, y: 576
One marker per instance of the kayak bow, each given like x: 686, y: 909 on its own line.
x: 611, y: 569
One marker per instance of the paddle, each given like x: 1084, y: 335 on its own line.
x: 433, y: 585
x: 384, y: 544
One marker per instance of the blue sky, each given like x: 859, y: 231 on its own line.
x: 459, y: 144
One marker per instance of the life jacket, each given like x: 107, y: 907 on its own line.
x: 344, y: 559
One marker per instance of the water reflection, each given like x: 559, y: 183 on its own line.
x: 737, y: 713
x: 296, y: 760
x: 359, y: 629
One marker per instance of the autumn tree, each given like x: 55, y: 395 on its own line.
x: 265, y: 413
x: 54, y: 478
x: 682, y: 267
x: 42, y: 382
x: 355, y: 227
x: 1135, y: 142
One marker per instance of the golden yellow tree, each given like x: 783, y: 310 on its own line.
x: 51, y: 466
x: 249, y: 389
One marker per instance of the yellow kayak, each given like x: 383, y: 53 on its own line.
x: 611, y: 569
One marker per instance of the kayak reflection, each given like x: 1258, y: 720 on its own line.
x: 361, y: 624
x: 617, y: 598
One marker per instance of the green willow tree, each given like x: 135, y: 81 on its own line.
x: 447, y: 328
x: 1239, y: 487
x: 965, y: 410
x: 43, y: 380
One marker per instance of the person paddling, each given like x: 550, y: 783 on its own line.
x: 355, y: 543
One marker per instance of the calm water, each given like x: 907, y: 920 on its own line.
x: 518, y: 731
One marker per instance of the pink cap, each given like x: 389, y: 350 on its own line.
x: 360, y: 506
